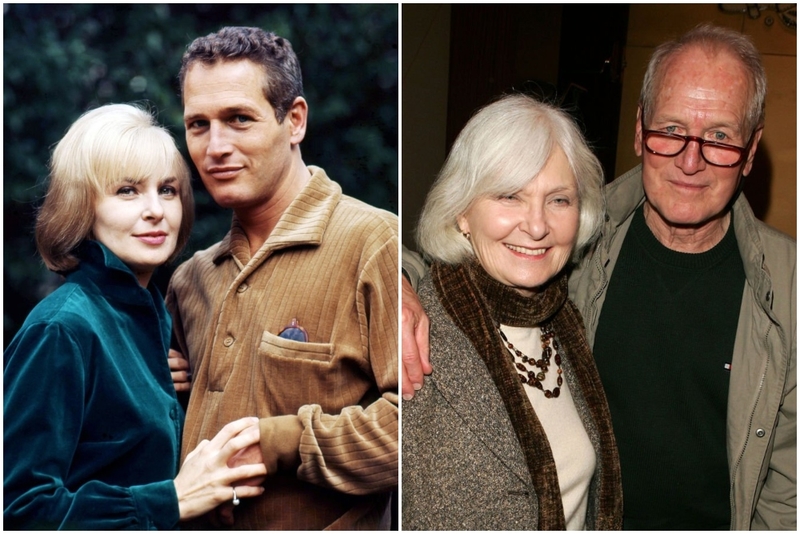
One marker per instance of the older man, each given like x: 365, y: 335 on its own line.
x: 689, y: 302
x: 292, y: 317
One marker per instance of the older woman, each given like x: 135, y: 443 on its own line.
x: 512, y: 431
x: 92, y: 425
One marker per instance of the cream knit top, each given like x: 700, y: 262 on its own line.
x: 572, y: 451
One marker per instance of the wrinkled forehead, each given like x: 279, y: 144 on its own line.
x: 705, y: 77
x: 523, y: 168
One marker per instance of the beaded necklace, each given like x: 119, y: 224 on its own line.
x: 531, y: 377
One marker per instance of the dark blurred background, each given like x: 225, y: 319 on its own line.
x: 62, y: 60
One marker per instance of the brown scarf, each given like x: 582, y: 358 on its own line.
x: 476, y: 303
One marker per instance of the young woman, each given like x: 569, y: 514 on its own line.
x: 92, y: 426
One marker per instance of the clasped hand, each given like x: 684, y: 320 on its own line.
x: 210, y: 471
x: 223, y: 515
x: 181, y: 373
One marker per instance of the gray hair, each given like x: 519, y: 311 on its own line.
x: 500, y: 150
x: 712, y: 39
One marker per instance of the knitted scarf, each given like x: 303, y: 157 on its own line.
x: 477, y: 303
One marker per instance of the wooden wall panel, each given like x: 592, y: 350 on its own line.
x: 426, y: 55
x: 776, y: 159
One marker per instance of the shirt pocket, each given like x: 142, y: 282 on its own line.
x: 277, y: 347
x: 296, y: 374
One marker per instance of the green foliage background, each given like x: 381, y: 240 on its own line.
x: 61, y: 60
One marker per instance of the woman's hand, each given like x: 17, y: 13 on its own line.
x: 181, y: 374
x: 205, y: 480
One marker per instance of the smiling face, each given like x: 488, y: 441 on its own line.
x: 523, y: 240
x: 705, y: 96
x: 245, y: 158
x: 139, y: 221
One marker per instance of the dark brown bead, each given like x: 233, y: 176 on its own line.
x: 533, y: 378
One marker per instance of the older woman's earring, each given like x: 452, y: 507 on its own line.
x: 467, y: 235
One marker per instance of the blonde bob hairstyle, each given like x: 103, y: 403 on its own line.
x: 503, y: 147
x: 101, y: 149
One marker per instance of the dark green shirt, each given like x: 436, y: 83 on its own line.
x: 663, y: 348
x: 92, y: 425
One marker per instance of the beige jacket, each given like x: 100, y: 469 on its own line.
x: 762, y: 404
x: 328, y: 407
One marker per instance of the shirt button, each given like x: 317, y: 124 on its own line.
x: 242, y: 288
x: 228, y: 341
x: 760, y: 433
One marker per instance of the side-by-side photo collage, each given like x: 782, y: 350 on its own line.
x: 400, y: 266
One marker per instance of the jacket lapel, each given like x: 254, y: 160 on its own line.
x: 464, y: 381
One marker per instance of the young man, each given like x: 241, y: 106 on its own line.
x: 292, y: 317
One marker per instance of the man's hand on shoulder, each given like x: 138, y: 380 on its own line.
x: 415, y: 342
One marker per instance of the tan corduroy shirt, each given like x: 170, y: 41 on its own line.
x: 329, y: 405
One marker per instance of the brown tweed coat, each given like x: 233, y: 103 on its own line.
x: 463, y: 465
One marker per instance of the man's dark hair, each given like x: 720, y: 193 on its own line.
x: 283, y: 81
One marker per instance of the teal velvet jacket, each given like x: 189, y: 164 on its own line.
x: 92, y: 426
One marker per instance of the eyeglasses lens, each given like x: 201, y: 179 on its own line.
x: 294, y: 332
x: 667, y: 145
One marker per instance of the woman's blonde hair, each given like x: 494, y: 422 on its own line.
x: 501, y: 148
x: 101, y: 149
